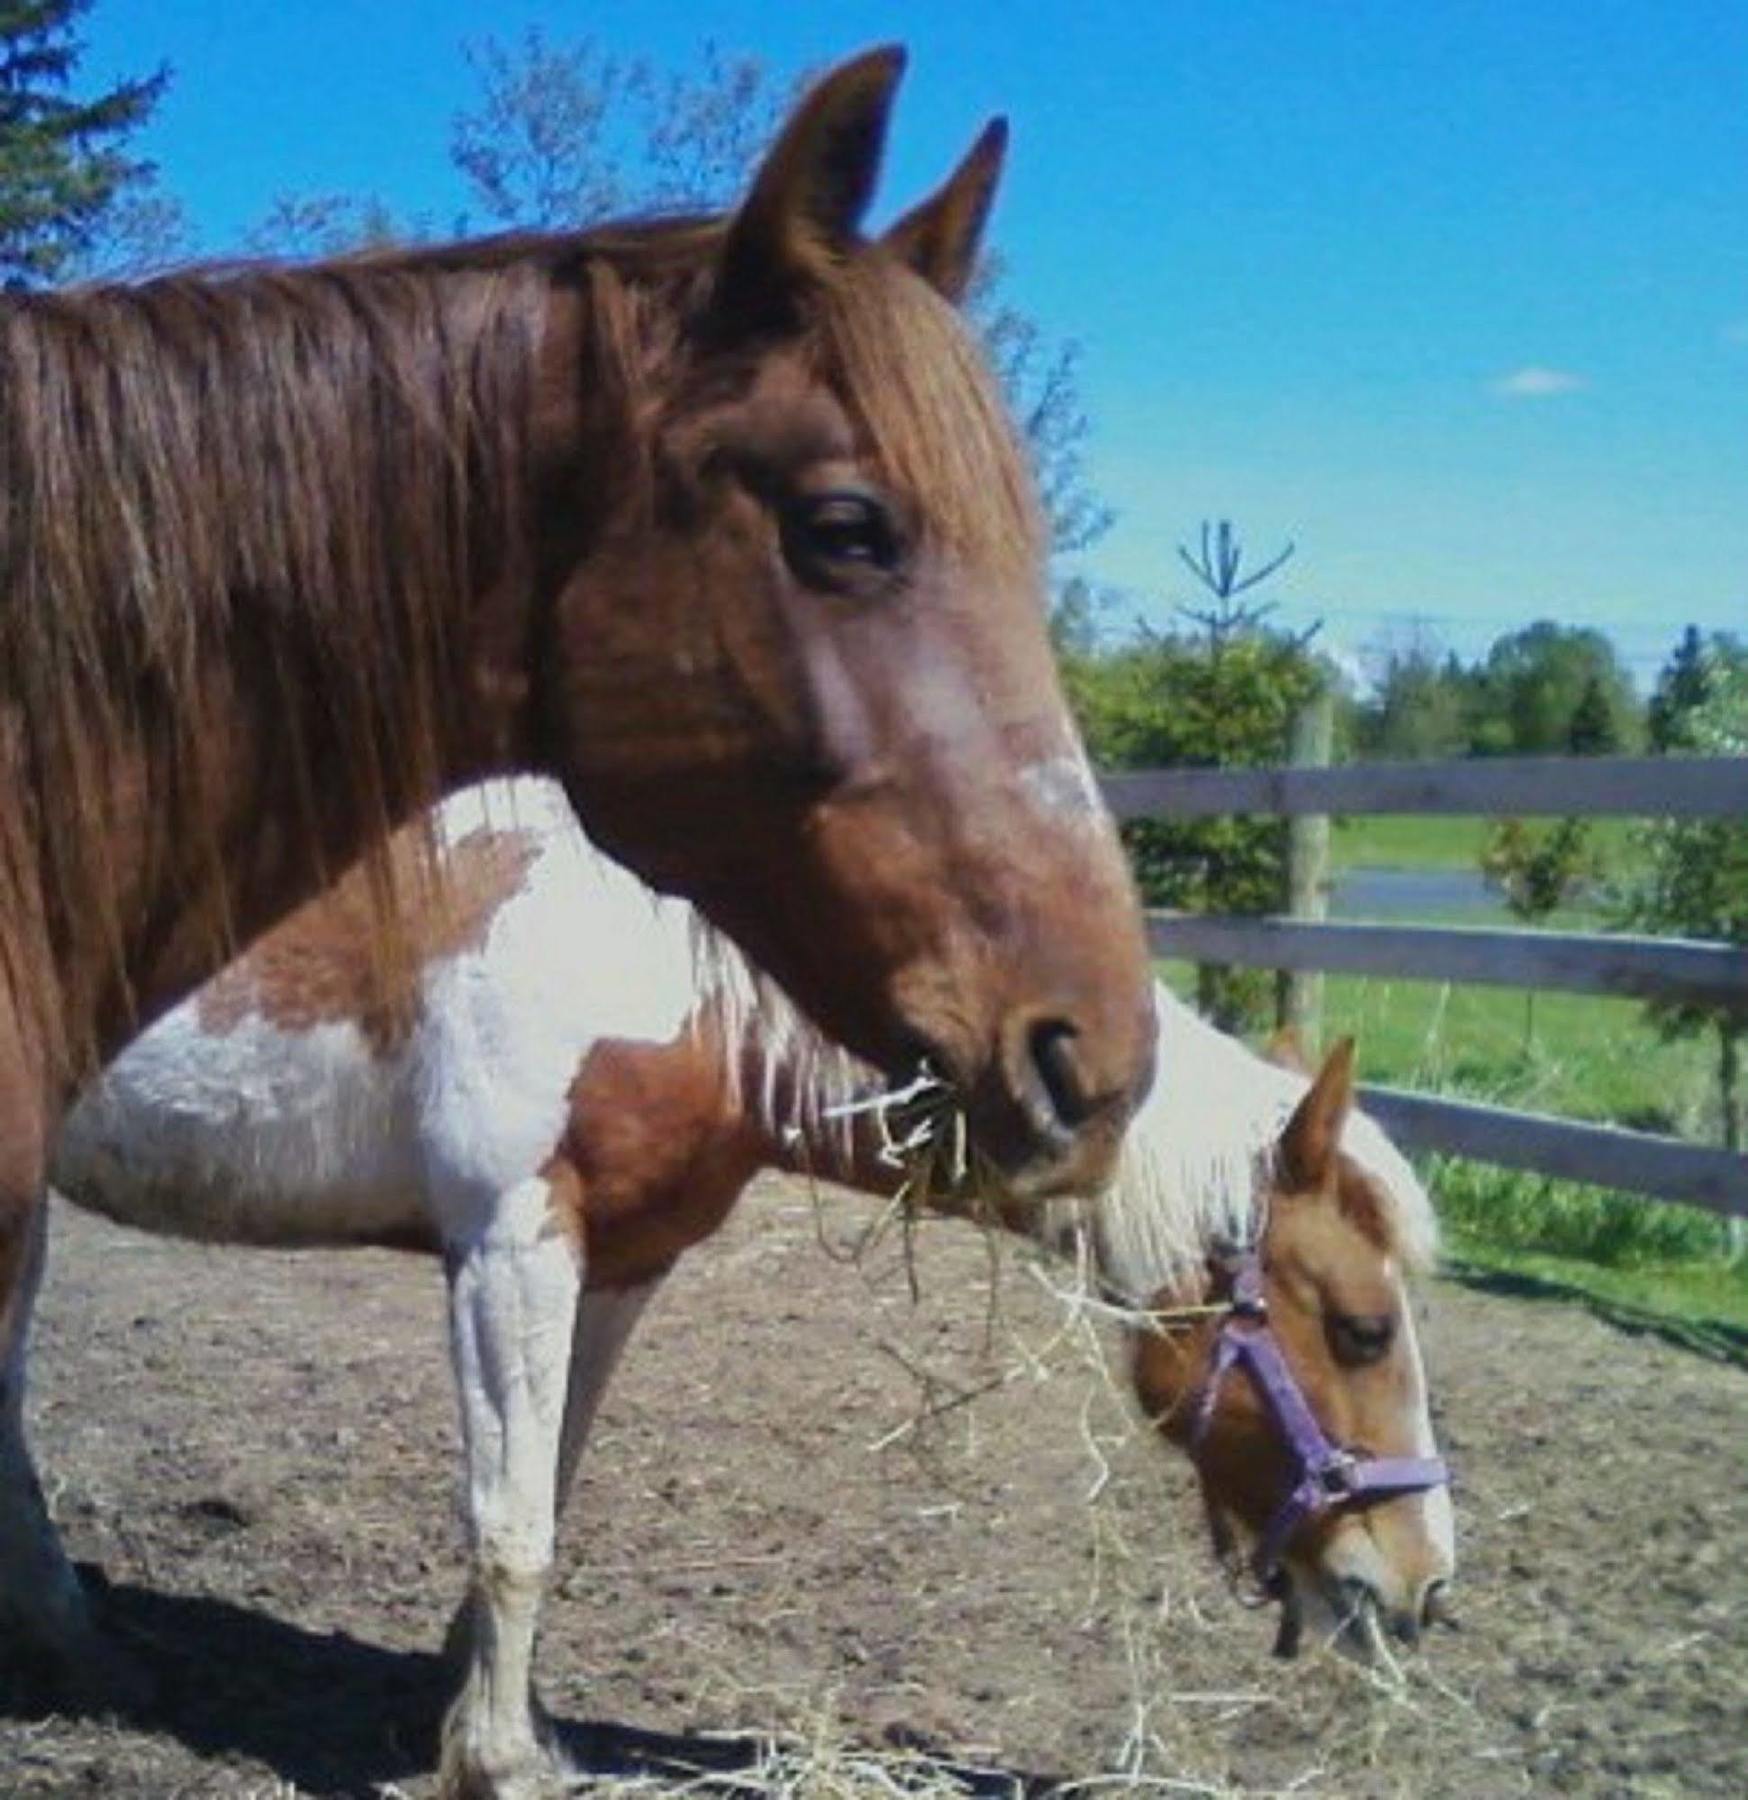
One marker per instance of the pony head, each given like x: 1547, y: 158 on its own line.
x: 1291, y: 1375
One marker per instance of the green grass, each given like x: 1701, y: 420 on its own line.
x: 1589, y: 1058
x: 1396, y: 841
x: 1702, y: 1305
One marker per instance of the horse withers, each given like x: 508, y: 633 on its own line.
x: 576, y: 1052
x: 721, y: 522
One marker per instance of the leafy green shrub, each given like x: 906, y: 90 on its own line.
x: 1519, y: 1211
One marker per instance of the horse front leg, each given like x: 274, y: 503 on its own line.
x: 513, y: 1291
x: 44, y: 1618
x: 605, y: 1322
x: 42, y: 1607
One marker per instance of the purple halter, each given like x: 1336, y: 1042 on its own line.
x: 1327, y: 1475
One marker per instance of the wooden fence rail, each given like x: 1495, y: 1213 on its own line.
x: 1637, y: 968
x: 1604, y: 1155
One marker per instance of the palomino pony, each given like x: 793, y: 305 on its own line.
x: 576, y: 1052
x: 719, y: 521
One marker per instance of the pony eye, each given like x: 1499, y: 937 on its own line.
x: 831, y: 537
x: 1360, y: 1338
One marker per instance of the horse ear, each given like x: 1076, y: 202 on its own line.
x: 940, y: 239
x: 1286, y: 1050
x: 807, y: 201
x: 1312, y: 1136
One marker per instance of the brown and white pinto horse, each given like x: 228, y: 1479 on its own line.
x: 578, y: 1088
x: 721, y: 522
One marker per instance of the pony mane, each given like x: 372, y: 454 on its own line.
x: 1198, y: 1164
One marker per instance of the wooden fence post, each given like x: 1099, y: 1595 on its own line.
x: 1299, y: 993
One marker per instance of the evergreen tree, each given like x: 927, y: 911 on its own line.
x: 1593, y: 731
x: 62, y: 165
x: 1686, y: 683
x: 1219, y: 690
x: 1680, y: 688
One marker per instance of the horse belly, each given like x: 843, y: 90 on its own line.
x: 253, y: 1135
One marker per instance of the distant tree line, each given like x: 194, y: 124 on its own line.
x: 1545, y: 690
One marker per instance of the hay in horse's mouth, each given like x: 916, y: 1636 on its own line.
x: 922, y: 1127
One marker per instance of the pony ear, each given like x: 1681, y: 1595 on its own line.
x: 940, y: 239
x: 1286, y: 1050
x: 1312, y: 1136
x: 807, y: 201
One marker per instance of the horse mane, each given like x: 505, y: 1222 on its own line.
x: 1198, y: 1164
x: 256, y: 486
x: 168, y: 557
x: 806, y: 1081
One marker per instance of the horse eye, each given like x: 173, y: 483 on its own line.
x: 1359, y: 1338
x: 830, y: 536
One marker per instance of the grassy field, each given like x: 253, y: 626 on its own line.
x: 1570, y: 1054
x: 1402, y: 842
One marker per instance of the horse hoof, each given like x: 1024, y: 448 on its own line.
x: 516, y: 1761
x: 533, y: 1776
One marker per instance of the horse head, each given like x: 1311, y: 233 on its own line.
x: 1294, y: 1380
x: 801, y: 671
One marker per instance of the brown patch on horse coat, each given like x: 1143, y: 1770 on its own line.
x: 655, y: 1155
x: 325, y: 965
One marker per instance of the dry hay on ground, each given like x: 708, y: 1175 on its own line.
x: 778, y: 1569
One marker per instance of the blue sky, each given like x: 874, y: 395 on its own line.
x: 1454, y: 295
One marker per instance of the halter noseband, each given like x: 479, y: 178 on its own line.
x: 1327, y: 1475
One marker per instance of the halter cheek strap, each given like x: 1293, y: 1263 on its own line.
x: 1326, y: 1475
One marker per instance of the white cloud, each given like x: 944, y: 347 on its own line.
x: 1537, y: 383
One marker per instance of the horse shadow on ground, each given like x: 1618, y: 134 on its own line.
x: 1718, y: 1339
x: 333, y: 1715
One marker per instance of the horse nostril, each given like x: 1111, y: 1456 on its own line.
x: 1435, y: 1605
x: 1052, y: 1047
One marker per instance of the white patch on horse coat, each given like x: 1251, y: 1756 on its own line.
x: 1064, y: 787
x: 513, y: 1311
x: 1438, y: 1517
x: 256, y: 1134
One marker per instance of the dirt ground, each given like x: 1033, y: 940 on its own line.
x: 256, y: 1451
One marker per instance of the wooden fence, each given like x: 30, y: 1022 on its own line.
x: 1635, y: 967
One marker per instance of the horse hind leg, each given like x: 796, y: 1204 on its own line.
x: 514, y: 1285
